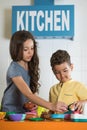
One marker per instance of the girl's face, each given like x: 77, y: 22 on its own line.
x: 28, y: 50
x: 63, y: 71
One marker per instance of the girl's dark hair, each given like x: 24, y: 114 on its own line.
x: 16, y: 52
x: 59, y: 57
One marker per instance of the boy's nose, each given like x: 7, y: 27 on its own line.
x: 61, y: 74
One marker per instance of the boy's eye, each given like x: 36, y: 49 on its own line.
x: 65, y: 70
x: 56, y: 72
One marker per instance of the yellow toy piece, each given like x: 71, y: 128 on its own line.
x: 2, y: 115
x: 40, y: 110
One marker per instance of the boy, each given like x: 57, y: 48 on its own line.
x: 67, y: 90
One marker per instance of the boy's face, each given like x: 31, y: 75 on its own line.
x: 63, y: 71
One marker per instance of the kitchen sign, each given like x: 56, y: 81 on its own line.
x: 50, y: 21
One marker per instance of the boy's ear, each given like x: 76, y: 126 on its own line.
x: 71, y: 66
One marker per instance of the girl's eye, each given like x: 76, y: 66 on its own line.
x: 32, y: 48
x: 25, y: 49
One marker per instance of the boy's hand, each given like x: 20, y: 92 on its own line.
x: 79, y: 105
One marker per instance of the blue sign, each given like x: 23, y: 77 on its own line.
x: 44, y: 21
x: 43, y: 2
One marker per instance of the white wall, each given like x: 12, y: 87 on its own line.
x: 77, y: 48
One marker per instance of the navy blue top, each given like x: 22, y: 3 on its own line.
x: 13, y: 100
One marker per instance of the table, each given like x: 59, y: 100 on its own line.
x: 42, y: 125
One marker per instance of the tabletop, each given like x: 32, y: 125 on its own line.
x: 42, y: 125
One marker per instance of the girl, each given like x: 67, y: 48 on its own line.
x: 23, y: 76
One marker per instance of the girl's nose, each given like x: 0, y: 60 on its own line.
x: 29, y: 51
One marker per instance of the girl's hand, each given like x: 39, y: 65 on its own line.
x: 61, y: 107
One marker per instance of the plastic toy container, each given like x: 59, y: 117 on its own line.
x: 16, y: 117
x: 57, y: 117
x: 79, y: 117
x: 36, y: 119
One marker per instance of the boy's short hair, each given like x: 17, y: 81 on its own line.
x: 59, y: 57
